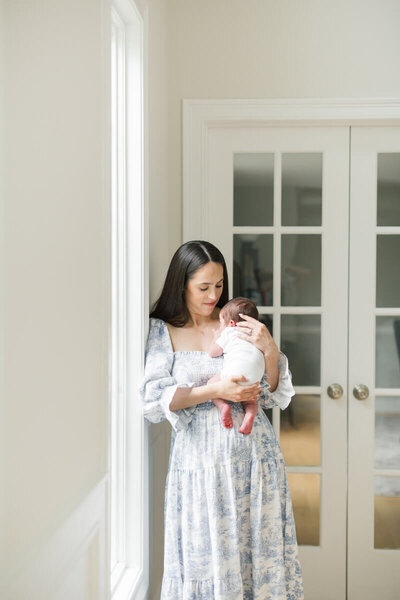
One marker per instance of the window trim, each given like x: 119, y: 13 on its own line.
x: 128, y: 435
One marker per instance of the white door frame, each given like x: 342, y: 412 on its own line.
x: 199, y: 116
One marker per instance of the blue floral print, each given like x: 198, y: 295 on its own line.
x: 229, y: 526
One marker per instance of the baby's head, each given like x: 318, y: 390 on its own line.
x: 229, y: 313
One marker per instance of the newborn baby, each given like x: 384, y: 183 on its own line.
x: 240, y: 358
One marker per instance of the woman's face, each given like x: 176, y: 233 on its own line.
x: 204, y: 289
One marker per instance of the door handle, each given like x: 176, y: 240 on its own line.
x: 335, y: 391
x: 360, y: 391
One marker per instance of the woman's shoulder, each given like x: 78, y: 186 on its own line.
x: 158, y: 337
x: 162, y: 325
x: 155, y: 321
x: 157, y: 327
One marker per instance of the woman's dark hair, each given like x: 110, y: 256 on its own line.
x: 189, y: 257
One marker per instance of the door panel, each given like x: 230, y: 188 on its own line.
x: 277, y: 208
x: 281, y: 204
x: 374, y: 361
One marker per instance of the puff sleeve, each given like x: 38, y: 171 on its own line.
x: 157, y: 387
x: 282, y: 395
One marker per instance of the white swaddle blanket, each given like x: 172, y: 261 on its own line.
x: 240, y: 357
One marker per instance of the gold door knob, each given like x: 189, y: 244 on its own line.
x: 360, y: 391
x: 335, y: 391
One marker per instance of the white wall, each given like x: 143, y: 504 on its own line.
x: 160, y: 245
x: 54, y: 272
x: 275, y: 49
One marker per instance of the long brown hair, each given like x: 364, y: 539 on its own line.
x: 189, y: 257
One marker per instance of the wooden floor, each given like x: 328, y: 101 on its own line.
x: 387, y: 522
x: 304, y: 490
x: 300, y: 443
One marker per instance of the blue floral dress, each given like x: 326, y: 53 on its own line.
x: 229, y: 526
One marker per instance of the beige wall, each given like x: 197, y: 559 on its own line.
x: 54, y: 270
x: 160, y: 244
x: 161, y: 247
x: 274, y: 49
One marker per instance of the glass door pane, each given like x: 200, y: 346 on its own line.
x: 300, y: 177
x: 387, y: 356
x: 253, y: 189
x: 302, y: 188
x: 252, y: 267
x: 388, y: 200
x: 374, y: 364
x: 278, y: 210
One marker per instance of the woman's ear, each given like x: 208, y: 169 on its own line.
x: 232, y: 323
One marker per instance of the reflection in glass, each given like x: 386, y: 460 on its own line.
x: 268, y: 322
x: 301, y: 270
x: 253, y: 268
x: 300, y: 432
x: 387, y: 352
x: 387, y: 432
x: 269, y: 413
x: 305, y: 493
x: 302, y: 189
x: 301, y: 342
x: 253, y: 189
x: 388, y: 270
x: 387, y: 512
x: 388, y: 198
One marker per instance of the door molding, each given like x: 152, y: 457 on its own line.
x: 199, y: 116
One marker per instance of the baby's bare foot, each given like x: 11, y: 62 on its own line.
x: 247, y: 424
x: 226, y: 416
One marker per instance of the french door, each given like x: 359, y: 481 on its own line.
x: 374, y: 365
x: 308, y: 219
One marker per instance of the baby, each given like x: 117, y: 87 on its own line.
x: 240, y: 358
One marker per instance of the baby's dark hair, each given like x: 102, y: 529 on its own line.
x: 238, y: 305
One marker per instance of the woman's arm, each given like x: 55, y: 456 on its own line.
x: 228, y: 389
x: 185, y: 397
x: 281, y: 395
x: 257, y: 333
x: 271, y: 367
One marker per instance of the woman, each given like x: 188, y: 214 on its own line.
x: 229, y: 527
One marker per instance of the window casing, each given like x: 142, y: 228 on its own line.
x: 128, y: 435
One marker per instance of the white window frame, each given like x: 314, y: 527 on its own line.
x: 128, y: 443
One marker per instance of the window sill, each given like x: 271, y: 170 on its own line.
x: 127, y: 584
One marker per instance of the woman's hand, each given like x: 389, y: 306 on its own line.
x: 230, y: 390
x: 258, y: 334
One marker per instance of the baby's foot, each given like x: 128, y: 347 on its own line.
x: 247, y: 424
x: 226, y: 416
